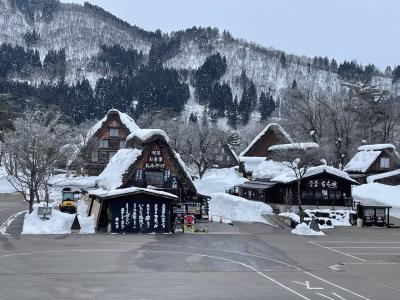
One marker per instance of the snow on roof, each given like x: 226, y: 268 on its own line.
x: 294, y: 146
x: 377, y: 193
x: 372, y: 178
x: 362, y: 161
x: 291, y: 176
x: 251, y: 162
x: 233, y: 152
x: 144, y: 134
x: 117, y: 192
x: 376, y: 147
x: 268, y: 169
x: 125, y: 119
x: 180, y: 161
x: 112, y: 175
x: 269, y: 126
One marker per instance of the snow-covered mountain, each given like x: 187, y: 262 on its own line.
x: 81, y: 30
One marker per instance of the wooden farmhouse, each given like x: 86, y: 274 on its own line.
x: 158, y: 177
x: 320, y: 186
x: 224, y: 156
x: 103, y: 141
x: 378, y: 162
x: 272, y: 135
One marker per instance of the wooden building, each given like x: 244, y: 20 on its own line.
x: 133, y: 210
x: 224, y: 156
x: 272, y: 135
x: 104, y: 139
x: 320, y: 186
x: 389, y: 178
x: 374, y: 160
x: 150, y: 163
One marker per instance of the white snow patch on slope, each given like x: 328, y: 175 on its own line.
x: 218, y: 180
x: 361, y: 161
x: 5, y: 185
x: 294, y: 146
x: 233, y: 208
x: 112, y: 175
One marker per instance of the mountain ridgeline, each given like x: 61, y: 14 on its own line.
x: 84, y: 61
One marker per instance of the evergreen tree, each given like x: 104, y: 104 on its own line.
x: 396, y: 74
x: 233, y: 114
x: 282, y: 60
x: 267, y: 106
x: 294, y: 84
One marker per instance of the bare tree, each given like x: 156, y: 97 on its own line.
x: 31, y: 151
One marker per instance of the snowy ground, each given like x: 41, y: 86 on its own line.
x: 304, y: 229
x: 225, y: 206
x: 379, y: 193
x: 58, y: 223
x: 218, y: 180
x: 5, y: 186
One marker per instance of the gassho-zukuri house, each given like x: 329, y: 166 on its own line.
x: 375, y: 163
x: 145, y: 188
x: 320, y: 186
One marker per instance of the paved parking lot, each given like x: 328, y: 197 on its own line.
x: 246, y: 261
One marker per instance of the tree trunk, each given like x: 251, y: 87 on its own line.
x: 301, y: 211
x: 31, y: 200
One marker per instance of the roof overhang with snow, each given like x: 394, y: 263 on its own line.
x: 131, y: 191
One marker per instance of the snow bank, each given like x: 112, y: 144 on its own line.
x: 362, y: 161
x: 217, y: 180
x: 58, y: 223
x: 112, y: 175
x: 293, y: 216
x: 377, y: 193
x: 233, y: 208
x: 303, y: 229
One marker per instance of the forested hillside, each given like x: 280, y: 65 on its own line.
x: 83, y: 61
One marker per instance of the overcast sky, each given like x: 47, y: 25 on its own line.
x: 365, y: 30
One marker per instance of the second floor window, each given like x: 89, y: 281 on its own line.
x: 122, y: 144
x: 114, y: 132
x: 95, y: 156
x: 103, y: 143
x: 384, y: 163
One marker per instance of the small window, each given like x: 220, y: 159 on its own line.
x: 114, y: 124
x: 155, y: 178
x: 384, y: 163
x: 222, y: 150
x: 228, y: 158
x: 122, y: 144
x: 114, y: 132
x: 103, y: 143
x: 95, y: 156
x: 111, y: 154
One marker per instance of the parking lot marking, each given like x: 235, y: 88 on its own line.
x: 368, y: 247
x: 336, y: 285
x: 307, y: 285
x: 337, y: 251
x: 337, y: 295
x: 162, y: 251
x: 324, y: 296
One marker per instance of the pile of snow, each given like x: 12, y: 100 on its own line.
x: 294, y: 146
x: 218, y: 180
x: 291, y: 215
x: 372, y: 178
x: 377, y: 193
x: 338, y: 218
x: 251, y: 162
x: 362, y: 161
x: 291, y: 176
x: 272, y: 126
x: 125, y: 119
x: 58, y: 223
x: 376, y: 147
x: 233, y: 208
x: 60, y: 181
x: 112, y: 175
x: 304, y: 229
